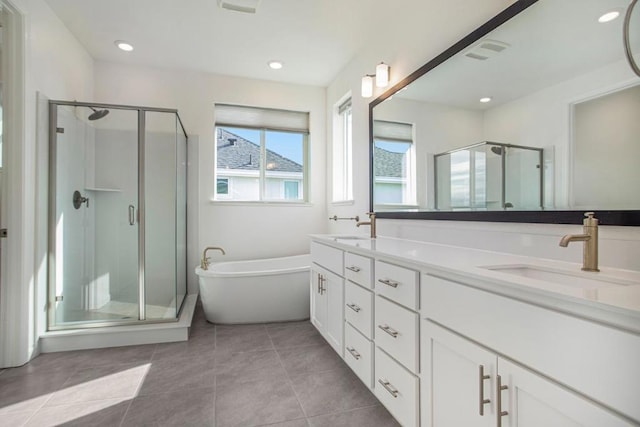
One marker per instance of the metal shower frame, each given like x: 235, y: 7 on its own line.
x: 51, y: 296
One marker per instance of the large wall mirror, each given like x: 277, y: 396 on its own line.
x: 533, y: 117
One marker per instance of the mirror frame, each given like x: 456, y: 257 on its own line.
x: 606, y: 217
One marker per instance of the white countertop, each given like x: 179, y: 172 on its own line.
x: 612, y: 296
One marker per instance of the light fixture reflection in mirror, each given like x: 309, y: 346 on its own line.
x: 535, y: 88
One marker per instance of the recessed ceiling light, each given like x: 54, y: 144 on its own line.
x: 609, y: 16
x: 275, y: 65
x: 123, y: 45
x: 485, y: 99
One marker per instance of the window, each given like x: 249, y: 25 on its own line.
x: 394, y: 164
x: 342, y: 158
x: 261, y: 154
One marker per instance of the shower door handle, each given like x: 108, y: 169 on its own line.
x: 132, y: 215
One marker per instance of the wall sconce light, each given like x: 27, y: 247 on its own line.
x: 382, y: 80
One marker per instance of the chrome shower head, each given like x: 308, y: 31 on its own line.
x: 497, y: 150
x: 97, y: 114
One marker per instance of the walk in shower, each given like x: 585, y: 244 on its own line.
x: 117, y: 215
x: 489, y: 176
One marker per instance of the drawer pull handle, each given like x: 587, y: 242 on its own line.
x: 389, y: 282
x: 499, y: 389
x: 387, y: 385
x: 482, y: 376
x: 354, y: 307
x: 354, y: 353
x: 354, y: 269
x: 388, y: 329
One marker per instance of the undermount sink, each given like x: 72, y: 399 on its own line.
x: 349, y: 237
x: 577, y: 279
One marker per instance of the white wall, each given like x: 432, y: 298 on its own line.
x: 57, y: 65
x: 244, y: 230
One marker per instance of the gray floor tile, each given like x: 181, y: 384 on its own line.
x: 295, y: 423
x: 101, y: 383
x: 376, y: 416
x: 64, y: 362
x: 331, y: 391
x: 256, y: 403
x: 187, y: 373
x: 295, y: 334
x: 196, y: 344
x: 316, y: 358
x: 248, y: 366
x: 29, y: 392
x: 119, y: 355
x: 239, y: 338
x: 16, y: 419
x: 183, y: 408
x: 100, y: 413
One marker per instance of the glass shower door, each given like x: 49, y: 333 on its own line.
x: 94, y: 166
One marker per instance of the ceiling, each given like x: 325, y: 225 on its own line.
x: 551, y: 42
x: 314, y: 38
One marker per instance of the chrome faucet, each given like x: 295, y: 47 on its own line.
x: 590, y: 239
x: 371, y: 222
x: 204, y: 262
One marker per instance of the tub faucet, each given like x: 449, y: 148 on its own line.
x: 590, y: 239
x: 371, y: 222
x: 204, y: 262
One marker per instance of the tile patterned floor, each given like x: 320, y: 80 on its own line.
x: 280, y: 375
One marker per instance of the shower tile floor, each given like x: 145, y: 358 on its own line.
x: 281, y: 375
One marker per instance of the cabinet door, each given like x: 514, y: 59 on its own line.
x: 453, y: 387
x: 333, y: 291
x: 531, y: 401
x: 318, y: 300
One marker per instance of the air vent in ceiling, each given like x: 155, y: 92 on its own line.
x: 486, y: 49
x: 244, y: 6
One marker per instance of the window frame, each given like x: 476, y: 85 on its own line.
x: 262, y: 168
x: 342, y: 152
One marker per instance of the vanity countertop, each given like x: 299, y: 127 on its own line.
x: 611, y: 296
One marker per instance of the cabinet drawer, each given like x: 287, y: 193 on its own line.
x: 396, y: 332
x: 358, y: 353
x: 397, y: 389
x: 358, y: 269
x: 358, y: 308
x: 397, y: 283
x: 328, y: 257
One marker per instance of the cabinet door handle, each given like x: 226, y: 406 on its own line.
x: 132, y: 215
x: 388, y: 329
x: 387, y: 385
x: 499, y: 389
x: 318, y: 282
x: 354, y: 307
x: 389, y: 282
x: 354, y: 269
x: 481, y: 377
x: 354, y: 353
x: 322, y: 288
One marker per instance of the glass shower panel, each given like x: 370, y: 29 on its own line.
x: 95, y: 278
x: 165, y: 214
x: 523, y: 186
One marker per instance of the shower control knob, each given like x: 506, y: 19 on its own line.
x: 78, y: 200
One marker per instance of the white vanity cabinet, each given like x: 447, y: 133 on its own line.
x: 327, y: 294
x: 468, y: 385
x: 484, y: 354
x: 359, y: 307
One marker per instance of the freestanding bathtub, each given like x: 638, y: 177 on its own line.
x: 256, y: 291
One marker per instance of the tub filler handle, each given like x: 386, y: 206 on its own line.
x: 204, y: 262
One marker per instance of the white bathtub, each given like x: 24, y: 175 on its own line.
x: 256, y: 291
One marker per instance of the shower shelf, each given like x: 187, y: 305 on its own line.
x: 112, y: 190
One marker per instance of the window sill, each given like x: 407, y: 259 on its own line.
x: 343, y: 203
x: 259, y: 203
